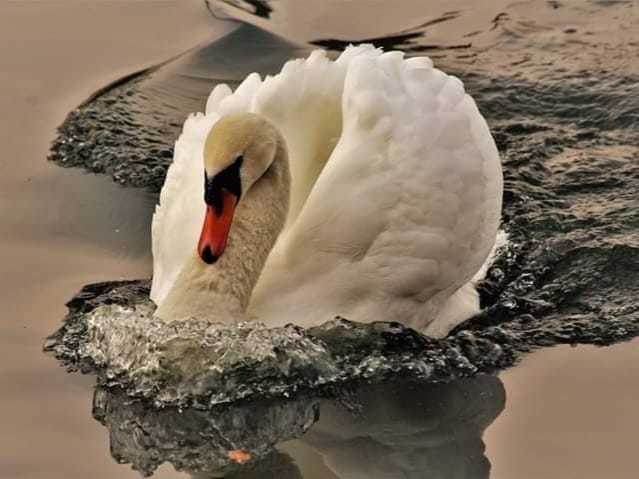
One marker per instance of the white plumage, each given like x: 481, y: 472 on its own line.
x: 395, y: 197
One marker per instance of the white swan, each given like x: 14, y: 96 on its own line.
x: 395, y: 198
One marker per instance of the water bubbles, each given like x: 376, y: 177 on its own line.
x: 111, y: 331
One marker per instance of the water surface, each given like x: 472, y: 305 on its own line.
x: 558, y: 85
x: 61, y: 229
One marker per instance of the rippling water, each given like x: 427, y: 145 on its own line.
x: 557, y: 82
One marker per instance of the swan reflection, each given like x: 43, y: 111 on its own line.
x: 213, y: 443
x: 276, y: 465
x: 403, y: 429
x: 410, y: 430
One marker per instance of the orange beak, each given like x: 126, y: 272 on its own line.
x: 215, y: 232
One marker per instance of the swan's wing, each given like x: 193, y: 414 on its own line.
x: 178, y: 218
x: 407, y: 207
x: 305, y: 102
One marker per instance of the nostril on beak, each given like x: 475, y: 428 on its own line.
x: 207, y: 255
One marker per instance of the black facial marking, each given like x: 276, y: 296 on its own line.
x: 228, y: 179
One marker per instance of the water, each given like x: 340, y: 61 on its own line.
x: 558, y: 86
x: 61, y: 229
x: 398, y: 428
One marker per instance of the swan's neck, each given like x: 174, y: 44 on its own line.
x: 221, y: 292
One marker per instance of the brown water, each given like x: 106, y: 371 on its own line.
x: 61, y: 229
x: 570, y: 412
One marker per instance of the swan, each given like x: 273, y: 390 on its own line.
x: 368, y: 186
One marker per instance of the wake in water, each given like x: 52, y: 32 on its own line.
x: 568, y: 139
x: 111, y: 331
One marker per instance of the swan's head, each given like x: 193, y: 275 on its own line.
x: 238, y: 151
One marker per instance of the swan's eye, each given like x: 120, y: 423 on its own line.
x: 228, y: 179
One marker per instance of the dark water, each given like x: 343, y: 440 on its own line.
x: 558, y: 84
x: 398, y: 429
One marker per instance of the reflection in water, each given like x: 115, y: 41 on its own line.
x: 402, y: 429
x: 210, y: 443
x: 276, y: 465
x: 411, y: 430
